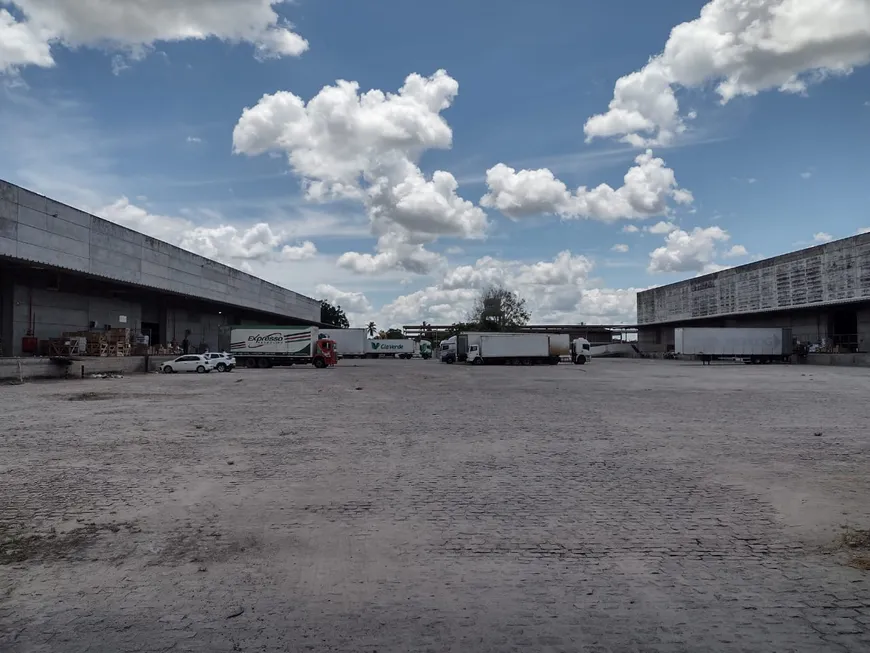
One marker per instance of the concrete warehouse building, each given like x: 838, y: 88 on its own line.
x: 822, y: 293
x: 63, y: 270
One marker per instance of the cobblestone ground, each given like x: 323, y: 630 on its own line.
x: 412, y: 506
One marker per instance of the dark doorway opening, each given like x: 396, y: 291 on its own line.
x: 152, y: 330
x: 843, y: 327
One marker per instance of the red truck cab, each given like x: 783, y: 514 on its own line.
x: 326, y: 354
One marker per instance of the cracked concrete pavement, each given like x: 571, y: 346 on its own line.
x: 412, y: 506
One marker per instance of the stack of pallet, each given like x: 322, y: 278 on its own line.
x: 118, y: 341
x: 69, y: 345
x: 112, y: 342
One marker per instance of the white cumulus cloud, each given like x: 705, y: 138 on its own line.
x: 365, y: 146
x: 350, y: 302
x: 688, y: 251
x: 741, y: 47
x: 132, y: 27
x: 647, y: 189
x: 556, y: 290
x: 736, y: 252
x: 225, y: 243
x: 622, y: 248
x: 661, y: 227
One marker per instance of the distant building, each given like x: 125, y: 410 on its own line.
x: 64, y: 270
x: 822, y: 293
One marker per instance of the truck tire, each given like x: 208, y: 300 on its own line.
x: 264, y: 363
x: 319, y: 363
x: 580, y: 360
x: 250, y: 363
x: 478, y: 361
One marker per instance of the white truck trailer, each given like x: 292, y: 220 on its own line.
x: 270, y: 346
x: 378, y: 348
x: 349, y: 343
x: 514, y: 349
x: 753, y: 345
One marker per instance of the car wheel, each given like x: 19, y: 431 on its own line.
x: 221, y: 367
x: 167, y: 369
x: 200, y: 369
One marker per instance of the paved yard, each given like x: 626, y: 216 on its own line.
x: 413, y: 506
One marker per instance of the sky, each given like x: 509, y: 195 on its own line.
x: 397, y: 157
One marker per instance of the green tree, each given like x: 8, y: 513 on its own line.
x: 333, y: 315
x: 394, y: 334
x: 499, y: 309
x: 372, y: 328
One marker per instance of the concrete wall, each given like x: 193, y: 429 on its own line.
x: 835, y: 273
x: 55, y: 312
x: 806, y: 326
x: 37, y: 229
x: 203, y: 327
x: 31, y: 369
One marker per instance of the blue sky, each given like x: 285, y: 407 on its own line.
x: 138, y: 126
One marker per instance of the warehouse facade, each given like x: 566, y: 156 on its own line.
x: 64, y: 270
x: 822, y: 293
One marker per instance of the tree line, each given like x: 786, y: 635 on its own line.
x: 495, y: 309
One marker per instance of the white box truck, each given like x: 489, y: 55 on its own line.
x: 270, y: 346
x: 349, y: 343
x: 378, y: 348
x: 513, y: 349
x: 753, y: 345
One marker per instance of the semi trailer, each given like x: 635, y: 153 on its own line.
x: 349, y: 343
x: 271, y: 346
x: 377, y: 348
x: 514, y: 349
x: 753, y: 345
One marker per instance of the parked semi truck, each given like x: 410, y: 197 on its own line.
x: 349, y: 343
x: 515, y: 349
x: 581, y: 351
x: 270, y: 346
x: 753, y: 345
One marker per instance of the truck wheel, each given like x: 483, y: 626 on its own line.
x: 264, y: 363
x: 580, y: 360
x: 478, y: 361
x: 251, y: 363
x: 319, y: 363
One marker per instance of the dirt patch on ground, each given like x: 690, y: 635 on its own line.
x: 856, y: 543
x: 18, y: 547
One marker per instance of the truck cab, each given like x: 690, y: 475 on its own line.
x: 447, y: 351
x: 325, y: 353
x: 425, y: 349
x: 581, y: 352
x: 473, y: 355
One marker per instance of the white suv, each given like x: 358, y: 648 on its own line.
x: 221, y: 361
x: 188, y: 363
